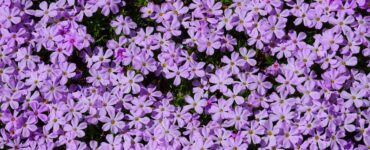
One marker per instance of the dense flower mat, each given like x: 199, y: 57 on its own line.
x: 182, y: 74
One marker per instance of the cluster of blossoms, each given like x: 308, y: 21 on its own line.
x: 59, y: 90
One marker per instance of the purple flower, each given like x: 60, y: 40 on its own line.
x: 220, y: 80
x: 196, y: 70
x: 75, y: 128
x: 288, y: 82
x: 318, y: 141
x: 237, y: 118
x: 114, y: 122
x: 242, y: 18
x: 281, y: 114
x: 37, y: 111
x: 289, y: 137
x: 258, y: 83
x: 318, y: 18
x: 354, y: 97
x: 271, y: 132
x: 109, y: 5
x: 342, y: 23
x: 10, y: 16
x: 27, y: 126
x: 114, y: 143
x: 182, y: 117
x: 53, y: 91
x: 233, y: 95
x: 148, y: 10
x: 274, y: 26
x: 336, y: 140
x: 67, y: 71
x: 283, y: 49
x: 247, y: 56
x: 177, y: 73
x: 101, y: 57
x: 144, y: 63
x: 331, y: 40
x: 221, y: 109
x: 197, y: 103
x: 46, y: 11
x: 137, y: 120
x: 252, y: 133
x: 334, y: 78
x: 56, y: 120
x: 208, y: 44
x: 170, y: 28
x: 123, y: 25
x: 26, y: 59
x: 177, y: 8
x: 298, y: 79
x: 232, y: 64
x: 226, y: 20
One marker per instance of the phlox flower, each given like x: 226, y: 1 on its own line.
x: 123, y: 25
x: 288, y: 82
x: 220, y: 80
x: 110, y: 5
x: 76, y: 128
x: 113, y: 121
x: 10, y: 16
x: 197, y: 103
x: 221, y: 109
x: 209, y: 44
x: 355, y: 97
x: 114, y: 142
x: 46, y: 11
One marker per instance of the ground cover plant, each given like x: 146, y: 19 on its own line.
x: 184, y: 74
